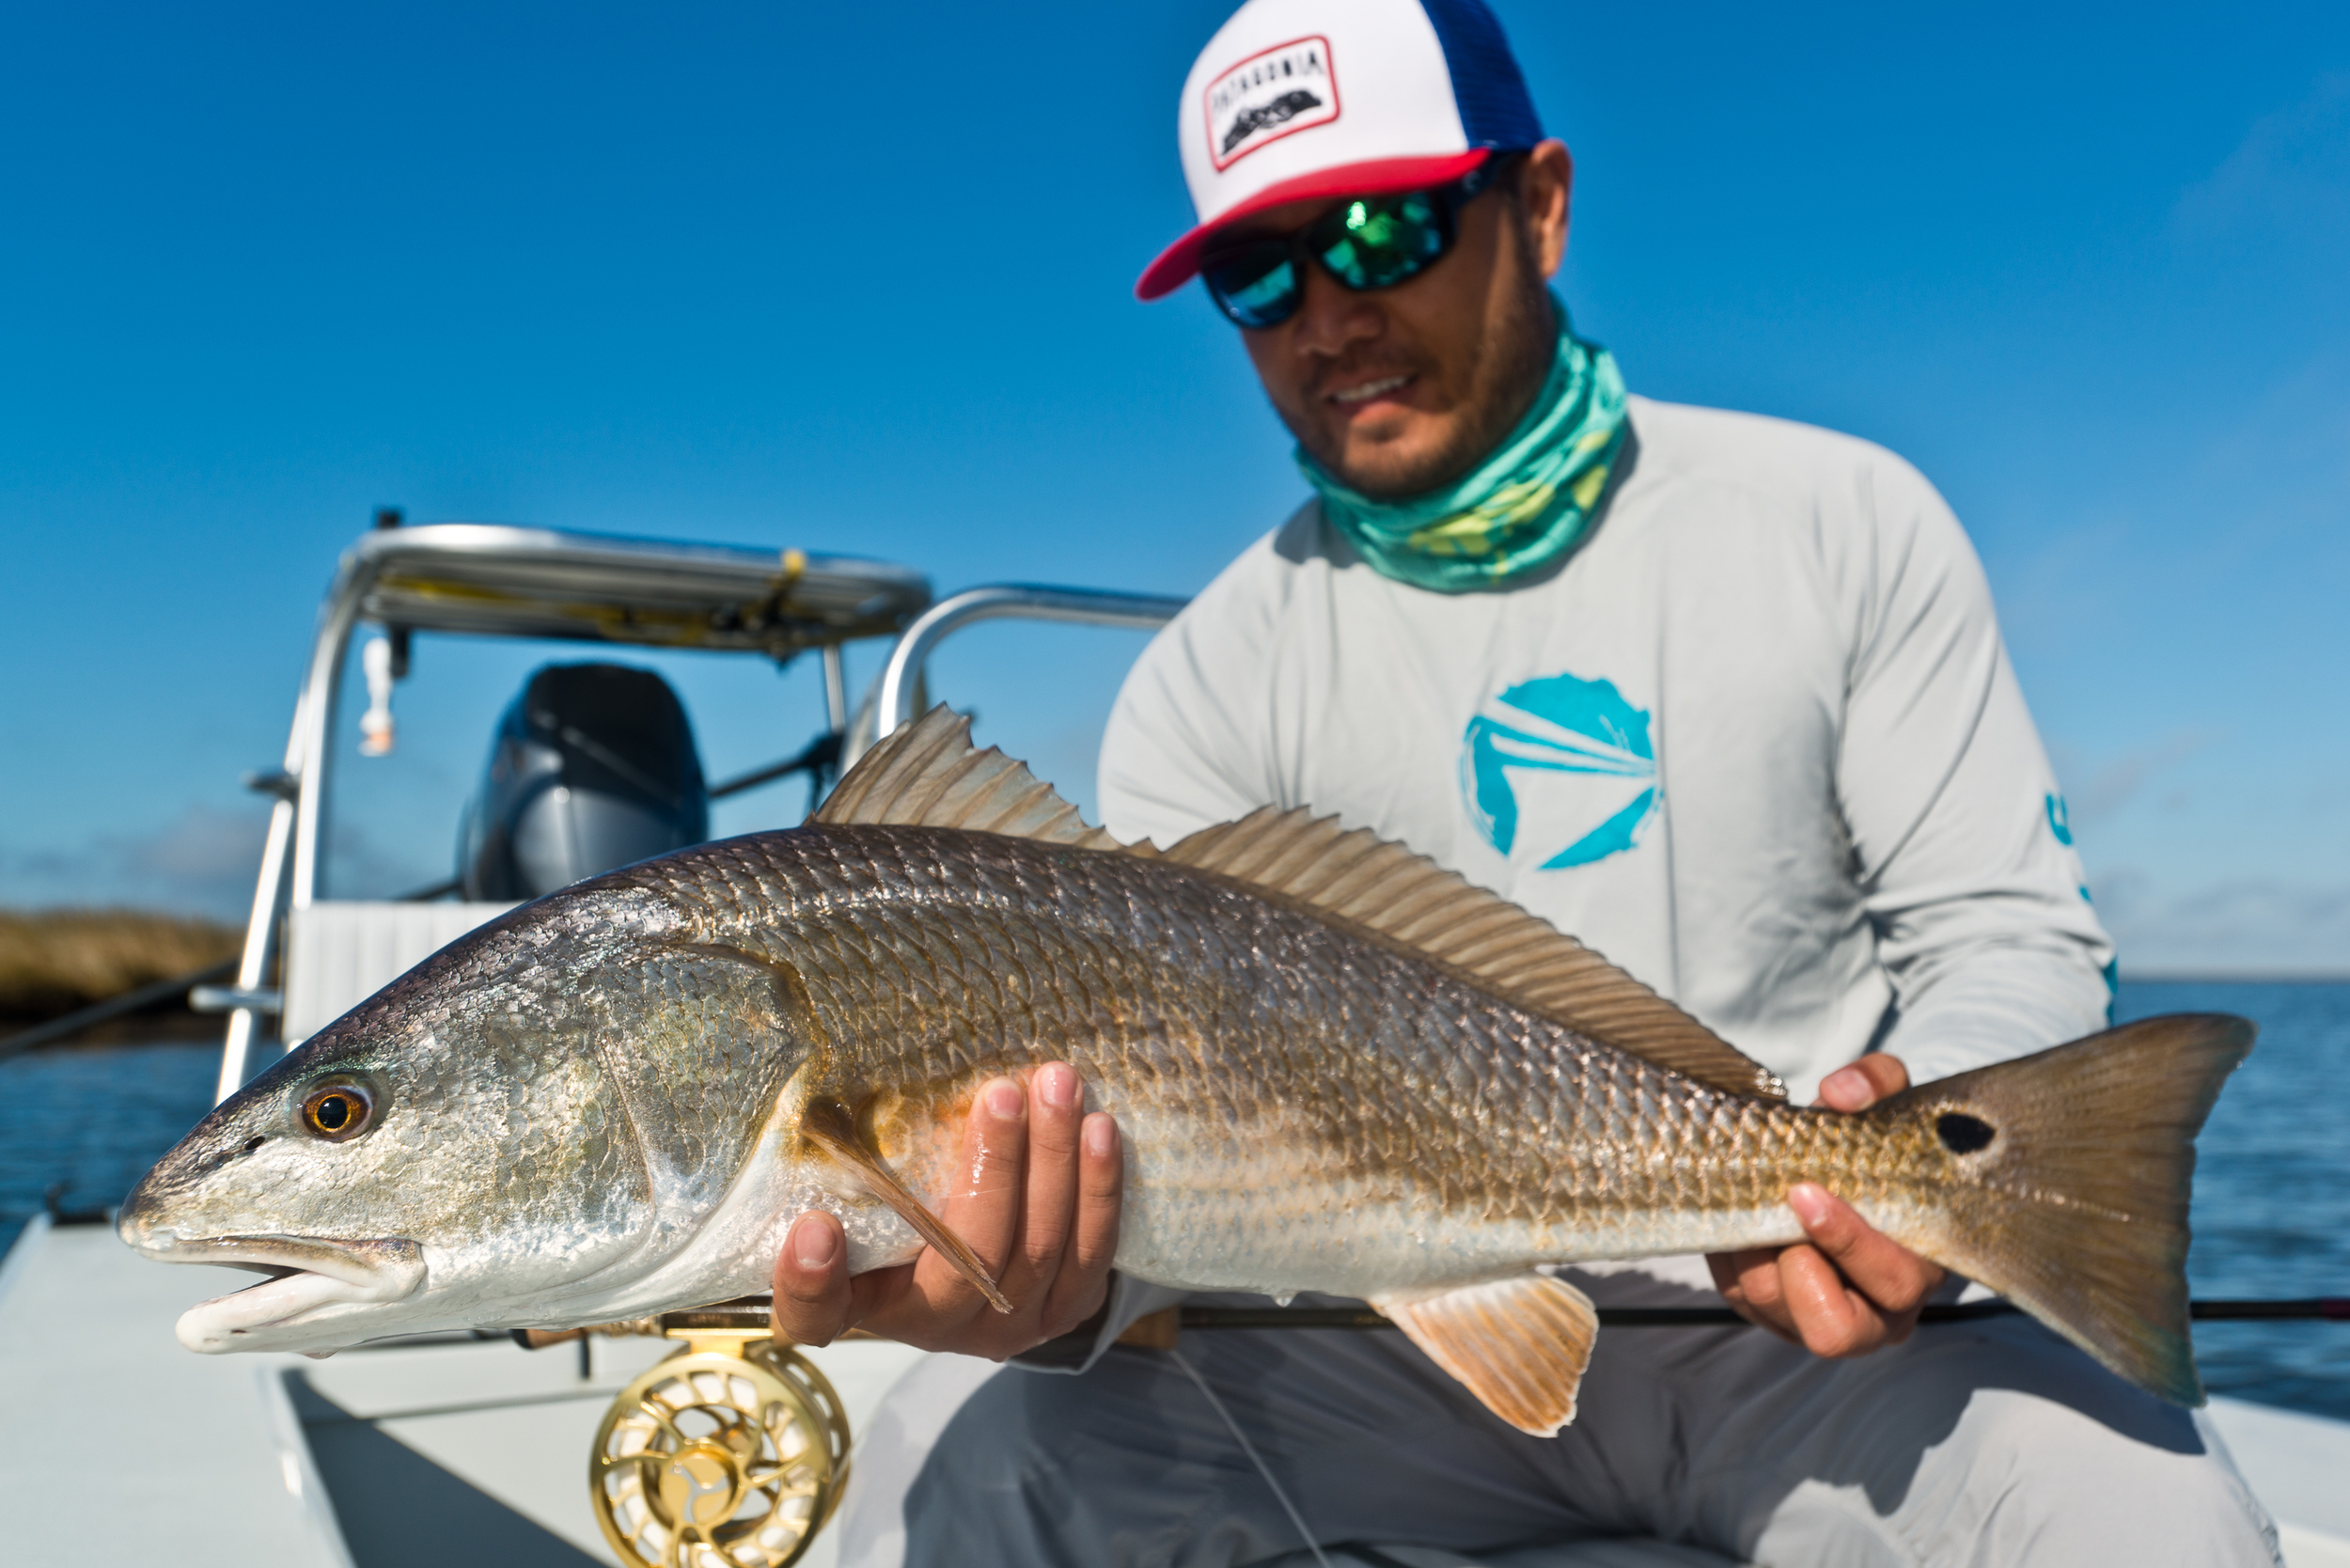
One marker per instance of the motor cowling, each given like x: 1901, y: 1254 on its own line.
x: 593, y: 767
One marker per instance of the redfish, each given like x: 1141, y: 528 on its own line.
x: 1337, y: 1067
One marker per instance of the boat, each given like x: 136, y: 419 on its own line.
x: 691, y: 1438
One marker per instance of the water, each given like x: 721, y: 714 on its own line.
x: 95, y: 1118
x: 2272, y: 1189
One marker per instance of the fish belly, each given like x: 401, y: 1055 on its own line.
x: 1271, y: 1215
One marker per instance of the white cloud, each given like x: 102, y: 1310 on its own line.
x: 2113, y: 786
x: 201, y: 862
x: 2243, y: 926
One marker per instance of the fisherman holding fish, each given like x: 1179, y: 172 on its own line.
x: 1721, y: 695
x: 1595, y: 852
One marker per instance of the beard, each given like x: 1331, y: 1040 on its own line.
x: 1512, y: 359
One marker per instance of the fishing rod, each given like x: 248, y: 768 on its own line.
x: 2316, y: 1308
x: 114, y: 1007
x: 2313, y: 1308
x: 1158, y: 1329
x: 71, y: 1024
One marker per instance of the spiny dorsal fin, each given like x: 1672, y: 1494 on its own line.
x: 929, y: 774
x: 1523, y: 958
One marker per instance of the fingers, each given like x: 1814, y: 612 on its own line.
x: 1749, y: 1281
x: 813, y: 1301
x: 1863, y: 1083
x: 985, y: 1210
x: 1881, y: 1269
x: 1797, y: 1293
x: 1849, y: 1291
x: 1050, y: 1207
x: 1854, y: 1289
x: 1085, y: 1269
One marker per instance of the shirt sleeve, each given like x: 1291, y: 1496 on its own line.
x: 1961, y: 845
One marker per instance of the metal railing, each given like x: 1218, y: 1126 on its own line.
x: 894, y: 703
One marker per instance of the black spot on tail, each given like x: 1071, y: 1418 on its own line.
x: 1962, y: 1133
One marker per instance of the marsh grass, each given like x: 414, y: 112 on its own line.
x: 53, y: 961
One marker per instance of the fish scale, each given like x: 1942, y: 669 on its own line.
x: 935, y: 959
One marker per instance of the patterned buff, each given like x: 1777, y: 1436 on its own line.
x: 1519, y: 511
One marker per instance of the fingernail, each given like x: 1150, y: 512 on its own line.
x: 1058, y: 1083
x: 812, y: 1243
x: 1004, y: 1102
x: 1809, y: 1201
x: 1101, y: 1135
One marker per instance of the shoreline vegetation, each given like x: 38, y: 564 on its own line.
x: 54, y: 961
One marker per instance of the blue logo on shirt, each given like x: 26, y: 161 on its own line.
x: 1580, y: 756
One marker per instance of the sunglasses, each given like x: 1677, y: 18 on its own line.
x: 1368, y: 243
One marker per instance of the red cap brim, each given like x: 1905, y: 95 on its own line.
x: 1178, y: 264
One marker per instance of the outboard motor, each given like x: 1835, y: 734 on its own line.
x: 595, y: 766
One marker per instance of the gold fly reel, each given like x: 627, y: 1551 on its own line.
x: 730, y: 1453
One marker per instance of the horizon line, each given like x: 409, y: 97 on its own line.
x: 2235, y: 977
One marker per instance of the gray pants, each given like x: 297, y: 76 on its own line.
x: 1988, y: 1443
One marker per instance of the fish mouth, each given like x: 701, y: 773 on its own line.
x: 306, y: 1273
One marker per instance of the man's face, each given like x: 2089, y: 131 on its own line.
x: 1399, y: 391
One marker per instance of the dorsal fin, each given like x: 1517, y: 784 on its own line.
x: 1385, y: 888
x: 929, y: 774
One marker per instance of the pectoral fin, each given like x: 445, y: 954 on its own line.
x: 831, y: 1128
x: 1520, y: 1344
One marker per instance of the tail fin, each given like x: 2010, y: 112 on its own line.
x: 2075, y: 1169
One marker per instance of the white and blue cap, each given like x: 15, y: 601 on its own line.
x: 1302, y: 99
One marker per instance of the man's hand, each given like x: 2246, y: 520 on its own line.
x: 1849, y: 1291
x: 1041, y: 1210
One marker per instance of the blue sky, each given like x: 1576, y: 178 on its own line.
x: 857, y: 278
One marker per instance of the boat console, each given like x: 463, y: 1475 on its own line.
x: 593, y: 766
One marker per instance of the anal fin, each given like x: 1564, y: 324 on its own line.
x: 1519, y: 1344
x: 830, y: 1127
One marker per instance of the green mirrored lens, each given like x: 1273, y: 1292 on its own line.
x: 1259, y: 288
x: 1376, y: 240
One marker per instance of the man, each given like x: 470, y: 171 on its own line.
x: 1721, y: 695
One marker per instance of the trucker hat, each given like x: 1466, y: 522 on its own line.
x: 1299, y: 100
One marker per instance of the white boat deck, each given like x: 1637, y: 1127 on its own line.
x: 477, y: 1453
x: 455, y: 1455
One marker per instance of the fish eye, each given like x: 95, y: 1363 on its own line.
x: 338, y: 1110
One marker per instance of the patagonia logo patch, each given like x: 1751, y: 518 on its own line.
x: 1289, y: 87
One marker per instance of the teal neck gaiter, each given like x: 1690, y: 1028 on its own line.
x: 1522, y: 509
